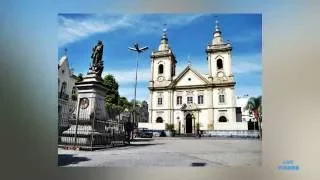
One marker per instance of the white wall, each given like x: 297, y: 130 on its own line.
x: 165, y: 99
x: 164, y: 114
x: 195, y: 80
x: 190, y: 93
x: 241, y: 102
x: 229, y: 97
x: 231, y: 126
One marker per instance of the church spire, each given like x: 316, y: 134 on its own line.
x: 217, y: 38
x: 164, y: 40
x: 64, y: 57
x: 217, y: 26
x: 189, y: 61
x: 65, y: 52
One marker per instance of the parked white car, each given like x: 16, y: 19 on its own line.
x: 156, y: 134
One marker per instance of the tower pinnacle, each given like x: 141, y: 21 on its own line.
x: 164, y: 40
x: 65, y: 51
x: 189, y: 61
x: 217, y: 26
x: 217, y: 38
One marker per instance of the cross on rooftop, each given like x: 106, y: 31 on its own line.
x: 65, y: 51
x: 189, y: 61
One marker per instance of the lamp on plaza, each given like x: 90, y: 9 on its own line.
x: 139, y: 50
x: 178, y: 118
x: 194, y: 122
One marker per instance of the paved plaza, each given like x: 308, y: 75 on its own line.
x: 178, y: 152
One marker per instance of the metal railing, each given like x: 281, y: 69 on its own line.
x: 84, y: 128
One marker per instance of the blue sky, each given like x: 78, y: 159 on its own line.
x: 188, y: 36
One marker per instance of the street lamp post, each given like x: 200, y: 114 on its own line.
x: 194, y: 121
x: 178, y: 118
x: 139, y: 50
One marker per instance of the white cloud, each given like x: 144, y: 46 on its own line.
x: 128, y: 76
x: 181, y: 19
x: 72, y: 30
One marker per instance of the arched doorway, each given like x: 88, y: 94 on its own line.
x: 189, y: 123
x: 159, y: 120
x: 222, y: 119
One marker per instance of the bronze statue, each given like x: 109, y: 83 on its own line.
x: 97, y: 63
x: 97, y: 53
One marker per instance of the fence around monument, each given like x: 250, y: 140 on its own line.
x: 78, y: 130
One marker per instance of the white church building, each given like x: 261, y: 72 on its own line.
x: 194, y: 99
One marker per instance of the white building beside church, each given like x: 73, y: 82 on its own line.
x: 242, y: 102
x: 66, y: 87
x: 192, y: 98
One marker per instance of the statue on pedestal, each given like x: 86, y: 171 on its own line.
x: 97, y: 63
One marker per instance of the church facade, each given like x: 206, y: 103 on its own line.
x: 192, y: 100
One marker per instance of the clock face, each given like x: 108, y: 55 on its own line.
x: 84, y: 103
x: 220, y: 74
x: 160, y: 78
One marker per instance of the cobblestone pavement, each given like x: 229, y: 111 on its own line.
x: 170, y: 152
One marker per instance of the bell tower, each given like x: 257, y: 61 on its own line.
x: 163, y: 63
x: 219, y: 56
x: 221, y: 75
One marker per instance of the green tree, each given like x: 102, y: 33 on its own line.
x: 254, y: 105
x: 112, y: 95
x: 138, y: 103
x: 125, y: 104
x: 79, y: 77
x: 74, y: 94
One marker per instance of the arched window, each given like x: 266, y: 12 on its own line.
x: 159, y: 120
x: 74, y: 90
x: 222, y: 119
x: 160, y: 70
x: 63, y: 89
x: 221, y: 98
x: 74, y: 93
x: 219, y: 64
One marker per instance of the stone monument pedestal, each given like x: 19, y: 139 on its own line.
x: 88, y: 126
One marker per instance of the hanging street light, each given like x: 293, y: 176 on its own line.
x: 139, y: 50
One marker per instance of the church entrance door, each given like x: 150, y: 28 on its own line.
x: 188, y: 123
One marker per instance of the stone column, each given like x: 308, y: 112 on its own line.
x: 150, y: 108
x: 210, y: 107
x: 172, y: 106
x: 233, y: 104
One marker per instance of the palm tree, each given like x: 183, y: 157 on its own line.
x: 254, y: 105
